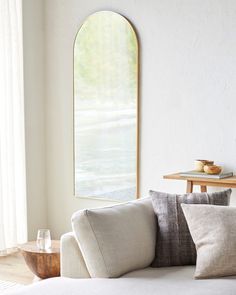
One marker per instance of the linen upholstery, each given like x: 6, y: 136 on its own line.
x: 72, y: 261
x: 174, y: 243
x: 149, y: 281
x: 117, y: 239
x: 213, y: 229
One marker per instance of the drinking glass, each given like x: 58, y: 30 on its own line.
x: 44, y: 239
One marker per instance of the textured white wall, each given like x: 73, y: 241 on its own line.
x: 33, y: 39
x: 188, y: 91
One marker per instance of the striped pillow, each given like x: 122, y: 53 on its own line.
x: 174, y: 244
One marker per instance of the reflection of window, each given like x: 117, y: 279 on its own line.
x: 105, y: 89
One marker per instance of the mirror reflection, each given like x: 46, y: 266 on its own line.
x: 105, y: 108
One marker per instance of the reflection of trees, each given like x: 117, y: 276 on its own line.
x: 105, y: 74
x: 106, y: 62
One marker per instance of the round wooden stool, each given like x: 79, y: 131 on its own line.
x: 44, y: 264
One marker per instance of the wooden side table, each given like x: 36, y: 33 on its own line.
x: 44, y: 264
x: 229, y: 182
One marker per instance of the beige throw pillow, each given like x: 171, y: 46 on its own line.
x: 213, y: 229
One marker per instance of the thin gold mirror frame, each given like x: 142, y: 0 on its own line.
x: 117, y: 194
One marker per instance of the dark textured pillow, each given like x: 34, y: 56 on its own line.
x: 174, y: 245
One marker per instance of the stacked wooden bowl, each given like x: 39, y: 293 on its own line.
x: 207, y: 167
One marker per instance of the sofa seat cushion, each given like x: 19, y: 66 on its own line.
x: 118, y: 239
x: 150, y: 281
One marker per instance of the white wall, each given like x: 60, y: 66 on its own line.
x: 33, y: 23
x: 188, y: 90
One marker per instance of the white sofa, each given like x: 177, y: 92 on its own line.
x: 106, y: 242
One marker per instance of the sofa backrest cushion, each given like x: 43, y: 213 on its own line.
x: 118, y: 239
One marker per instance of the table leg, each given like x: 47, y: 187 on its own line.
x: 189, y: 186
x: 203, y: 188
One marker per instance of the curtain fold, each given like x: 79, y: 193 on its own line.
x: 13, y: 214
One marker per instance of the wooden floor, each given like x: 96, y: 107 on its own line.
x: 14, y: 269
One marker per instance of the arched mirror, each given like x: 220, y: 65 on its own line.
x: 106, y: 108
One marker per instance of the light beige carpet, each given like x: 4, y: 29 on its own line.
x: 9, y: 286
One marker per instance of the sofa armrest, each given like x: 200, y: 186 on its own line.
x: 72, y: 261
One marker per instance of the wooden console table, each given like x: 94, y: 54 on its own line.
x: 229, y: 182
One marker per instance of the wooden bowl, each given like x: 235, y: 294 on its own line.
x: 212, y: 169
x: 199, y: 164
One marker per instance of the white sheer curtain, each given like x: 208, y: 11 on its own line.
x: 13, y: 216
